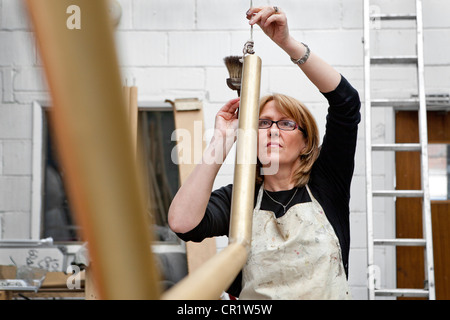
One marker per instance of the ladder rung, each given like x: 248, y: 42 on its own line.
x: 400, y: 242
x: 402, y: 292
x: 397, y: 147
x: 398, y: 193
x: 394, y: 60
x: 394, y: 16
x: 397, y: 103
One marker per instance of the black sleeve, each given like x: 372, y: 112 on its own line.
x: 333, y: 170
x: 216, y: 221
x: 337, y: 154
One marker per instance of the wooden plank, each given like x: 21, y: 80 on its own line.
x: 188, y: 115
x: 95, y: 145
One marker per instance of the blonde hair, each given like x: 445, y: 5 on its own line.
x: 298, y: 112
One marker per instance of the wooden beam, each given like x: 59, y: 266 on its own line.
x: 95, y: 144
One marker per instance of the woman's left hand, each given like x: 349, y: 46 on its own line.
x: 272, y: 21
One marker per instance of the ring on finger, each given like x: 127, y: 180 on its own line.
x: 275, y: 8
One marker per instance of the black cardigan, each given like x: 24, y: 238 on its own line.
x: 330, y: 179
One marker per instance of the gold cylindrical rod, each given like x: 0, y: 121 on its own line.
x: 216, y: 275
x: 246, y: 153
x: 211, y: 278
x: 95, y: 145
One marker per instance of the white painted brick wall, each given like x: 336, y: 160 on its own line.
x: 1, y: 159
x: 18, y: 48
x: 12, y: 16
x: 15, y: 121
x: 164, y: 15
x: 17, y: 157
x: 175, y: 49
x: 198, y: 48
x: 16, y: 224
x: 15, y: 192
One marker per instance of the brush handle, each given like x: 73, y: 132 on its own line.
x: 234, y: 84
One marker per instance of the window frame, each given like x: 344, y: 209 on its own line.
x: 38, y: 177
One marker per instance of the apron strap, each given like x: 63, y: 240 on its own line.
x: 260, y: 196
x: 310, y: 194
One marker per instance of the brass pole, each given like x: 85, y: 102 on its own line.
x: 214, y: 276
x: 95, y: 145
x: 246, y: 148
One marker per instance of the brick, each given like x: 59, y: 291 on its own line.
x: 393, y: 82
x: 434, y: 53
x: 17, y: 157
x: 327, y: 44
x: 398, y: 6
x: 15, y: 121
x: 221, y: 242
x: 437, y: 79
x: 358, y: 230
x: 312, y: 14
x: 357, y: 267
x: 7, y: 85
x: 14, y: 15
x: 163, y: 14
x: 435, y: 13
x: 151, y: 81
x: 358, y: 194
x: 16, y: 225
x: 216, y: 85
x: 198, y: 48
x: 126, y: 19
x: 291, y: 81
x: 15, y: 193
x: 222, y: 180
x: 352, y: 14
x: 1, y: 160
x: 18, y: 48
x: 337, y: 47
x: 27, y: 98
x: 141, y: 48
x: 222, y: 15
x: 29, y: 79
x: 379, y: 159
x: 209, y: 114
x: 393, y: 42
x: 359, y: 292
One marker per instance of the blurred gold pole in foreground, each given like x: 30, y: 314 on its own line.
x: 217, y: 274
x: 95, y: 145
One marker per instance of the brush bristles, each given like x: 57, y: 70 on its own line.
x: 234, y: 66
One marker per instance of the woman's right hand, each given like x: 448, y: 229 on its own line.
x: 227, y: 119
x: 225, y: 129
x: 189, y: 204
x: 272, y: 22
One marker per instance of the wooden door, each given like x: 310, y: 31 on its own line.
x: 410, y: 260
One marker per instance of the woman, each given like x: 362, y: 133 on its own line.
x: 300, y: 235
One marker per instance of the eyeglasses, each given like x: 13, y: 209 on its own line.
x: 286, y: 125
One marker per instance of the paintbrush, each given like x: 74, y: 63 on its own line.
x: 234, y: 66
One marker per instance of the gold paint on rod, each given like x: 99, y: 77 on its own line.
x: 211, y: 278
x: 95, y: 145
x: 217, y: 274
x: 246, y: 152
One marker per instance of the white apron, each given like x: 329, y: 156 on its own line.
x: 296, y: 256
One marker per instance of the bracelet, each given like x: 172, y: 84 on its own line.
x: 303, y: 59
